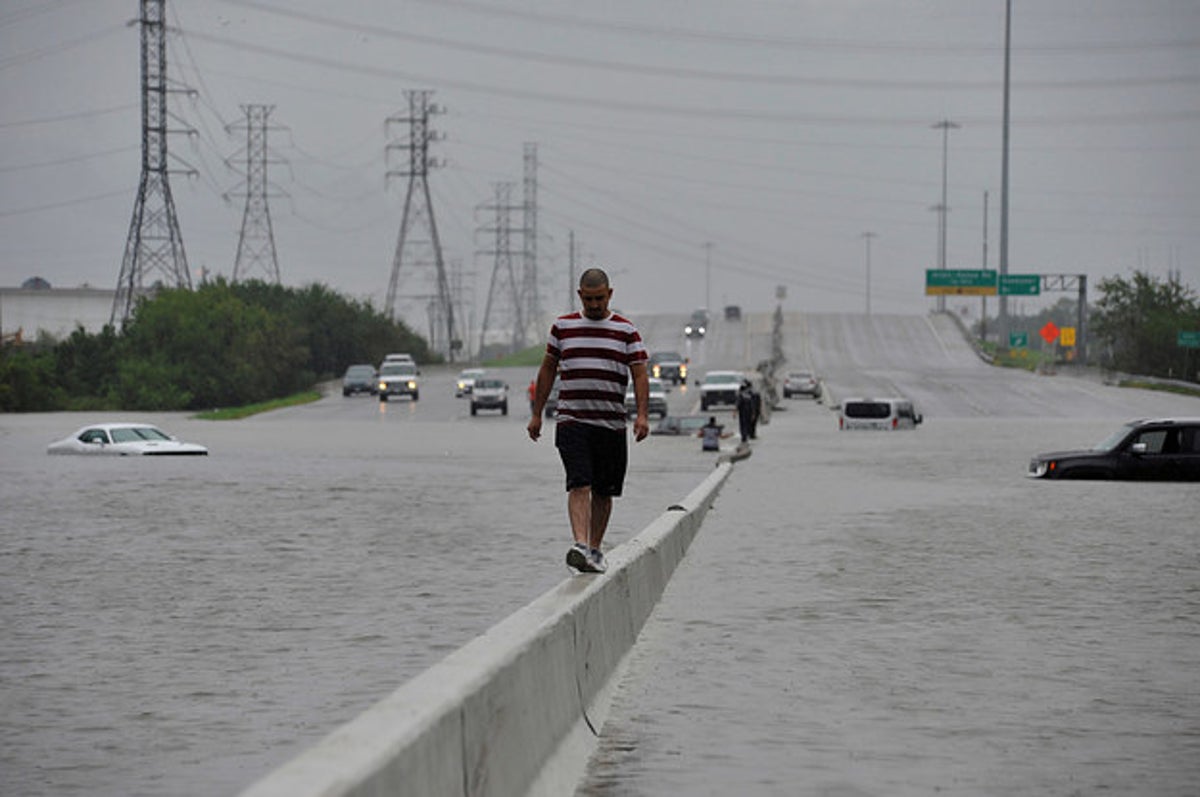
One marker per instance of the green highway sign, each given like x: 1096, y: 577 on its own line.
x: 960, y: 282
x: 1020, y: 284
x: 1018, y: 340
x: 1189, y: 340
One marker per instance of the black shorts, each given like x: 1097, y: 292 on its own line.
x: 592, y: 456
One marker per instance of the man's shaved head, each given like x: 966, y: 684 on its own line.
x: 593, y: 278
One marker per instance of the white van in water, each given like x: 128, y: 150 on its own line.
x: 878, y: 413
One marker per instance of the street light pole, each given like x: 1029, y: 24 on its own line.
x: 708, y: 276
x: 1002, y: 311
x: 945, y: 126
x: 867, y: 236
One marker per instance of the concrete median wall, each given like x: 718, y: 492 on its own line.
x: 517, y: 710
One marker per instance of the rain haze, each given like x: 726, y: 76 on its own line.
x: 704, y: 152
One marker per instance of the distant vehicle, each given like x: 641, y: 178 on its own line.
x: 400, y: 357
x: 1163, y: 449
x: 124, y: 439
x: 398, y: 379
x: 658, y: 399
x: 878, y: 413
x: 551, y: 409
x: 466, y: 381
x: 687, y: 425
x: 668, y: 366
x: 489, y: 394
x: 697, y: 326
x: 720, y: 387
x: 801, y: 383
x: 733, y: 312
x: 359, y: 379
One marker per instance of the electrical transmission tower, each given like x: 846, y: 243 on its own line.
x: 154, y: 242
x: 504, y: 284
x: 418, y: 212
x: 256, y: 245
x: 532, y: 309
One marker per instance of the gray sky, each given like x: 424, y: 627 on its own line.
x: 778, y: 131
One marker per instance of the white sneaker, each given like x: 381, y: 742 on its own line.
x: 577, y: 558
x: 597, y: 561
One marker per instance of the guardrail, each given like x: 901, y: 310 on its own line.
x: 517, y: 710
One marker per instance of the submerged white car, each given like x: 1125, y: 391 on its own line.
x: 124, y: 439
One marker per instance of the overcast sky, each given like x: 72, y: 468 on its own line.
x: 778, y: 131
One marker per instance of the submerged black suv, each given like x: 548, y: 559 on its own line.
x: 1162, y: 449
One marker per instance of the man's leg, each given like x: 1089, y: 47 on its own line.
x: 601, y: 508
x: 579, y: 510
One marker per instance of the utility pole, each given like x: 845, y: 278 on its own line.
x: 867, y: 236
x: 532, y: 313
x: 945, y: 126
x: 983, y: 299
x: 154, y: 242
x: 504, y: 279
x: 571, y: 271
x: 1003, y: 300
x: 256, y: 244
x: 708, y: 276
x: 418, y: 210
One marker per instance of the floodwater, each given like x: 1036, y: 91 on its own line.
x: 909, y: 615
x: 182, y: 626
x: 861, y: 614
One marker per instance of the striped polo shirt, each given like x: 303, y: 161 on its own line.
x: 593, y: 365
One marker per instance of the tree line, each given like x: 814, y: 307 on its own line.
x: 1134, y: 325
x: 220, y: 345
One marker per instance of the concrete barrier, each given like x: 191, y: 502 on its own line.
x: 517, y: 710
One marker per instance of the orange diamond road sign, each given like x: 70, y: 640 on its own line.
x: 1049, y: 332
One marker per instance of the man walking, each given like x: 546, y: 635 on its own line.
x: 594, y: 354
x: 745, y: 410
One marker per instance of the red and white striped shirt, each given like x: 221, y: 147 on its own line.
x: 593, y: 364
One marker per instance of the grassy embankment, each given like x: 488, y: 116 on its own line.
x: 234, y: 413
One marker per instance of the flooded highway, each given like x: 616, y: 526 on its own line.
x: 867, y: 608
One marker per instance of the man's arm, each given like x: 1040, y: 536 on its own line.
x: 545, y: 381
x: 641, y: 393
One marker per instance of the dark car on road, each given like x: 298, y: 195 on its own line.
x: 359, y: 379
x: 697, y: 325
x: 669, y: 366
x: 1163, y: 449
x: 675, y: 425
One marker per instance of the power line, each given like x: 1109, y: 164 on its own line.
x: 697, y: 112
x: 692, y: 73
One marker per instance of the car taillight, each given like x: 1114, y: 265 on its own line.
x: 895, y: 422
x: 1052, y: 465
x: 841, y: 422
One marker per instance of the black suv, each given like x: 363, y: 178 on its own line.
x: 359, y: 379
x: 1163, y: 449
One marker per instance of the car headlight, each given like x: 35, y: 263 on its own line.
x: 383, y: 385
x: 683, y: 372
x: 412, y: 385
x: 1040, y: 467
